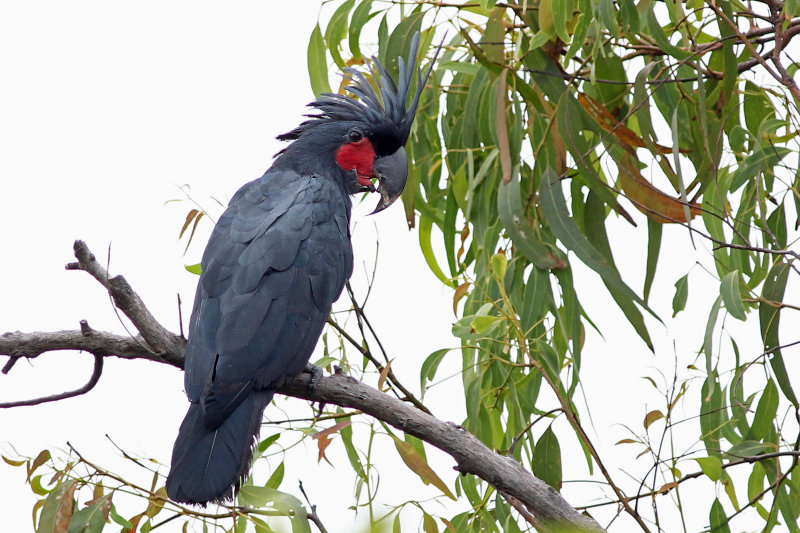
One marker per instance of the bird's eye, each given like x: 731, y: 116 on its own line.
x: 354, y: 136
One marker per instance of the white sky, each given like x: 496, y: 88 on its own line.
x: 106, y: 108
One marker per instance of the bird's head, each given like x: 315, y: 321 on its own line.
x: 367, y: 135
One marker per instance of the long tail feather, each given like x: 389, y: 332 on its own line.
x: 208, y: 465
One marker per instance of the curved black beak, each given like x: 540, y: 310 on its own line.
x: 392, y: 173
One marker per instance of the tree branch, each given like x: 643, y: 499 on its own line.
x: 161, y: 340
x: 93, y: 379
x: 472, y: 457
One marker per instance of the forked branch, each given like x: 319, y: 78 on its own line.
x: 155, y: 343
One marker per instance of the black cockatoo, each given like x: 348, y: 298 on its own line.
x: 276, y: 261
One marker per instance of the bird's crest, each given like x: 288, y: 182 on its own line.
x: 384, y: 105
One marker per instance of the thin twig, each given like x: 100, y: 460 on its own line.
x: 93, y: 379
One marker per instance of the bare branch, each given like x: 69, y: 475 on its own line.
x: 157, y: 337
x: 29, y: 345
x: 93, y: 379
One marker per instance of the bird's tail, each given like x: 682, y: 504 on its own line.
x: 208, y: 463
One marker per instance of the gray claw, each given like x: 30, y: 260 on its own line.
x: 316, y: 375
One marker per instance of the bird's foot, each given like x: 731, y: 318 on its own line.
x: 316, y: 375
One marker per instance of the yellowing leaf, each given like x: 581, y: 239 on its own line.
x: 384, y: 374
x: 156, y: 502
x: 429, y: 524
x: 413, y: 460
x: 651, y: 417
x: 13, y: 462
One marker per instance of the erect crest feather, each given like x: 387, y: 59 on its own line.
x: 381, y: 104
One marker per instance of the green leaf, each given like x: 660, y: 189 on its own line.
x: 562, y: 13
x: 57, y: 507
x: 499, y: 264
x: 482, y: 325
x: 608, y: 15
x: 360, y: 17
x: 317, y: 63
x: 425, y: 228
x: 595, y: 230
x: 275, y: 479
x: 718, y: 519
x: 91, y: 519
x: 769, y: 318
x: 537, y: 294
x: 449, y: 231
x: 765, y: 413
x: 748, y: 448
x: 555, y: 212
x: 654, y: 230
x: 777, y: 225
x: 524, y: 236
x: 266, y: 443
x: 708, y: 338
x: 337, y: 30
x: 283, y: 503
x: 196, y: 269
x: 546, y: 463
x: 731, y: 296
x: 711, y: 466
x: 429, y: 367
x: 352, y: 455
x: 400, y: 41
x: 681, y: 294
x: 493, y: 35
x: 119, y: 519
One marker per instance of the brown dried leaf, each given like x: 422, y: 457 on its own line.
x: 606, y: 120
x: 460, y: 292
x: 502, y: 128
x: 189, y: 217
x: 665, y: 488
x: 65, y: 507
x: 324, y: 439
x: 43, y: 456
x: 194, y: 228
x: 627, y: 441
x: 651, y: 201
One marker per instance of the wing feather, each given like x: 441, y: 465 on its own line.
x: 277, y: 259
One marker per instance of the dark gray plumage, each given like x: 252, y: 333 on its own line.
x: 276, y: 261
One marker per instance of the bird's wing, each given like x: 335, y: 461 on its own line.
x: 277, y: 259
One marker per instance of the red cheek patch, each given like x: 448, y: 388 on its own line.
x: 358, y: 156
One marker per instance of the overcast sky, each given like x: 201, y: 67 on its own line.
x: 107, y: 110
